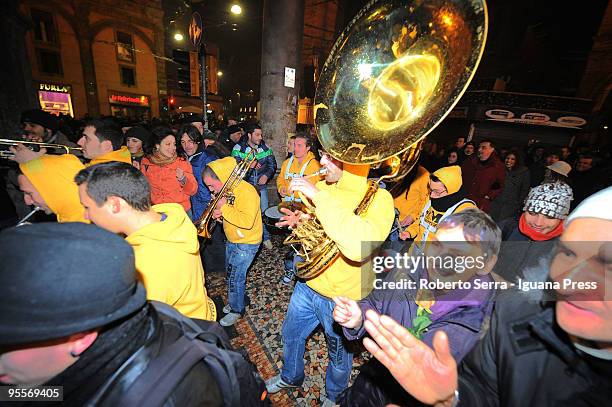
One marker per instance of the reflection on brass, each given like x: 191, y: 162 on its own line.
x: 391, y: 77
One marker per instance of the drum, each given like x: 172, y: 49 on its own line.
x: 271, y: 216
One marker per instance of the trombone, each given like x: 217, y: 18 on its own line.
x: 51, y: 148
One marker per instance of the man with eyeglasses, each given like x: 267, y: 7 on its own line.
x: 349, y: 275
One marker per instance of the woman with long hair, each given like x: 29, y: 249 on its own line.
x: 171, y: 177
x: 193, y: 149
x: 516, y: 188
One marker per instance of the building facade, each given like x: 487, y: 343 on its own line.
x: 97, y: 58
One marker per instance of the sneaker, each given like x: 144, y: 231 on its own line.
x: 230, y: 319
x: 288, y: 277
x: 268, y: 244
x: 276, y: 384
x: 227, y: 309
x: 328, y: 403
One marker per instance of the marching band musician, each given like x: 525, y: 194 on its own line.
x: 243, y: 228
x: 311, y: 304
x: 48, y: 183
x: 301, y: 163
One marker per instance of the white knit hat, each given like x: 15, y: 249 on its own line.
x: 598, y: 205
x: 550, y: 199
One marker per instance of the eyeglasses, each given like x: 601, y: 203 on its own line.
x: 323, y: 153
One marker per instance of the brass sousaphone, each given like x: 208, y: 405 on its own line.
x: 391, y: 77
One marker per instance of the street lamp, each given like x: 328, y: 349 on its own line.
x: 236, y: 9
x: 178, y: 37
x: 219, y: 73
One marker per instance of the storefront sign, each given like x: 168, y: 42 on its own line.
x: 54, y: 88
x: 535, y: 118
x: 55, y: 99
x: 128, y: 100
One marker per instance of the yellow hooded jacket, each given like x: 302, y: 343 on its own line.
x: 169, y: 264
x: 451, y: 178
x: 242, y: 219
x: 351, y: 273
x: 412, y: 201
x: 53, y: 177
x: 284, y: 179
x: 122, y: 155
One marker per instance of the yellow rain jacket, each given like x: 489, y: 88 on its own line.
x: 53, y: 177
x: 351, y: 273
x: 242, y: 219
x: 429, y: 218
x: 308, y: 166
x: 169, y: 265
x: 412, y: 201
x: 122, y: 155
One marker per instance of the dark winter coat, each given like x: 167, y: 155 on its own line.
x: 200, y: 200
x: 510, y: 202
x: 526, y: 359
x: 521, y: 257
x: 483, y: 178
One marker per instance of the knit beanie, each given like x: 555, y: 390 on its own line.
x: 551, y: 199
x: 595, y: 206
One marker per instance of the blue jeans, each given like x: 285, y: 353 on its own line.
x: 263, y: 203
x: 307, y: 309
x: 238, y: 258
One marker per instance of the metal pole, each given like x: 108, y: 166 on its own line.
x: 203, y: 80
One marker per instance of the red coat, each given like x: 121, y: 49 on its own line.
x: 165, y: 187
x: 483, y: 178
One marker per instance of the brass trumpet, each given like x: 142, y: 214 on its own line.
x: 51, y: 148
x: 206, y: 224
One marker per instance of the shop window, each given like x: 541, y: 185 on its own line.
x: 44, y: 27
x: 125, y: 47
x: 49, y: 62
x: 128, y: 76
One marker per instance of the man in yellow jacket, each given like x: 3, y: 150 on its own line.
x: 48, y: 183
x: 302, y: 163
x: 241, y: 216
x: 117, y: 197
x: 350, y: 274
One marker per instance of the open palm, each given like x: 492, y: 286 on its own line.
x: 430, y: 375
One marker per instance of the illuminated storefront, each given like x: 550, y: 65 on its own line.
x: 55, y: 99
x: 129, y: 106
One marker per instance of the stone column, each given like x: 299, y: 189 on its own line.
x: 283, y: 24
x: 85, y: 40
x: 17, y: 91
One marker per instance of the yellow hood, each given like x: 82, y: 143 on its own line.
x: 450, y: 177
x: 175, y: 232
x: 53, y: 177
x: 122, y: 155
x: 169, y: 264
x: 223, y: 167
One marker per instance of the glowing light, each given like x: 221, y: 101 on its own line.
x: 365, y: 71
x: 236, y: 9
x: 220, y: 73
x: 178, y: 37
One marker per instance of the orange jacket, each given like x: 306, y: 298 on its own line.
x: 165, y: 187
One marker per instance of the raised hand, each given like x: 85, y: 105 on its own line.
x: 291, y: 218
x: 302, y: 185
x: 347, y: 313
x: 430, y: 375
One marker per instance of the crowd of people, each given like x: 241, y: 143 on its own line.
x: 128, y: 203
